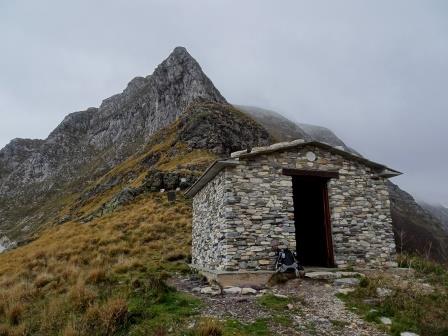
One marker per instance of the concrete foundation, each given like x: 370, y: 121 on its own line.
x: 236, y: 278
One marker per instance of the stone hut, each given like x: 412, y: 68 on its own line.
x: 330, y: 205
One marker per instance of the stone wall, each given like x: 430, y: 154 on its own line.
x: 258, y: 212
x: 208, y: 225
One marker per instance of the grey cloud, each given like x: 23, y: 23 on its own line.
x: 375, y: 72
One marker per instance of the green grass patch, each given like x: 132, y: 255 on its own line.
x: 155, y: 306
x: 273, y: 302
x: 236, y: 328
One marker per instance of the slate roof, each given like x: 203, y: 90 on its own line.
x: 235, y: 157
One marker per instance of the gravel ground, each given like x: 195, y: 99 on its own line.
x: 315, y: 309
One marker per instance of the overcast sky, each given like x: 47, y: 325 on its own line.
x: 375, y: 72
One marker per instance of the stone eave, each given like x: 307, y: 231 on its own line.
x: 382, y: 170
x: 209, y: 175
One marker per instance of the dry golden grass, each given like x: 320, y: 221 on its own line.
x: 209, y: 327
x: 67, y: 281
x: 187, y: 159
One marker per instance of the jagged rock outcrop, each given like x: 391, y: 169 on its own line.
x: 14, y: 153
x: 220, y: 128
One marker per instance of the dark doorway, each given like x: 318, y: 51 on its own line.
x: 312, y: 220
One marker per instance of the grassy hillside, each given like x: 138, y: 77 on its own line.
x: 102, y: 277
x: 98, y: 267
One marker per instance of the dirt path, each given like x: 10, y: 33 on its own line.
x: 315, y: 309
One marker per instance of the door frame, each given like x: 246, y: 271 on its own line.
x: 325, y: 176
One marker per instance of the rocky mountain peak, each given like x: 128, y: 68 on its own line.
x: 88, y: 143
x: 174, y: 84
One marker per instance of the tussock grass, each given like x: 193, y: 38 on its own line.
x: 209, y: 327
x: 79, y: 279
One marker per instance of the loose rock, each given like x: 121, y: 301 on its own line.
x: 351, y: 282
x: 246, y: 291
x: 321, y: 275
x: 232, y: 290
x: 383, y: 292
x: 385, y: 320
x: 345, y: 291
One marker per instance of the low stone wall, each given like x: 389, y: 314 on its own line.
x: 247, y: 212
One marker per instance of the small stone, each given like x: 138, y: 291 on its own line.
x: 345, y: 291
x: 408, y: 333
x: 383, y: 292
x: 232, y: 290
x: 206, y: 290
x: 280, y: 296
x: 196, y: 290
x: 344, y: 274
x: 247, y: 290
x: 290, y: 306
x: 385, y: 320
x: 210, y: 291
x: 347, y: 282
x: 321, y: 275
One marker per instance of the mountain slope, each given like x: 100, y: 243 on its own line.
x: 37, y: 175
x: 416, y: 229
x: 438, y: 211
x: 283, y: 129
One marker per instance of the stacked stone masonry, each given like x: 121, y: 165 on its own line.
x: 246, y: 213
